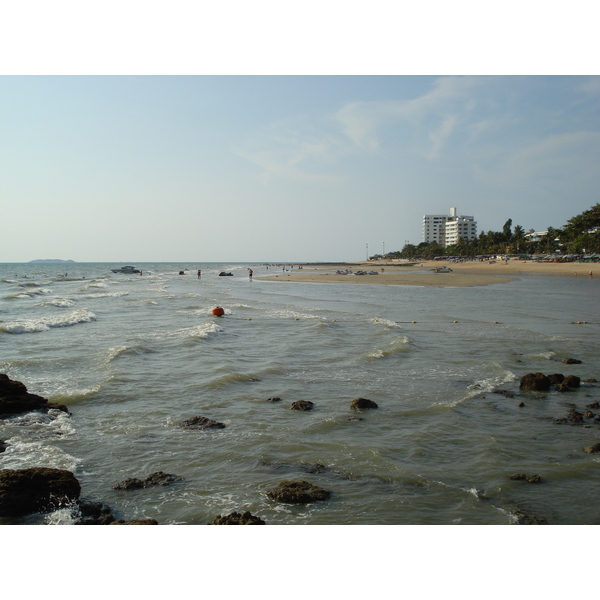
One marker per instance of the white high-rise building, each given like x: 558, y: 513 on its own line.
x: 446, y: 230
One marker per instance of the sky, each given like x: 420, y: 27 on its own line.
x: 294, y: 168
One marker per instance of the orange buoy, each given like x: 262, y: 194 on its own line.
x: 218, y: 311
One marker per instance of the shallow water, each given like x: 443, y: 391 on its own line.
x: 132, y: 356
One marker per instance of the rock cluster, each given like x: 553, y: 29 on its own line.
x: 236, y: 518
x: 538, y: 382
x: 15, y: 399
x: 201, y: 423
x: 302, y: 405
x: 362, y: 404
x: 158, y: 478
x: 37, y: 489
x: 297, y: 492
x: 525, y: 477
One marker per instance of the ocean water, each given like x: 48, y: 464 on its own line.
x: 132, y: 356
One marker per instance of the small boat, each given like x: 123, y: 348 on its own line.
x: 127, y: 269
x: 443, y: 270
x: 224, y: 274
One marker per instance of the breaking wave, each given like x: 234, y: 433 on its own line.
x: 82, y: 315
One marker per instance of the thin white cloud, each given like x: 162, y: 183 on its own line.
x: 362, y: 122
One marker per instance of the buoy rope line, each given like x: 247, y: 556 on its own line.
x: 396, y: 322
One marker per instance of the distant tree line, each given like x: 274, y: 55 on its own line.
x: 580, y: 235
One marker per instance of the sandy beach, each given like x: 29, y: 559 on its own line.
x: 423, y: 273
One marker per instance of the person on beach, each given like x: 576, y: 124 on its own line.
x: 199, y: 273
x: 250, y: 274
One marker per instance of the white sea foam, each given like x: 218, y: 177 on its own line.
x: 81, y: 315
x: 58, y: 302
x: 400, y: 344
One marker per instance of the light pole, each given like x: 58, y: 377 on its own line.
x: 367, y: 251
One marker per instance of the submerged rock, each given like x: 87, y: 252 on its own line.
x: 15, y: 399
x: 524, y: 518
x: 201, y: 423
x: 571, y: 361
x: 525, y: 477
x: 236, y: 518
x: 362, y: 404
x: 536, y: 382
x: 297, y: 492
x: 302, y: 405
x: 506, y: 393
x: 158, y: 478
x: 274, y: 399
x: 38, y: 489
x: 594, y: 449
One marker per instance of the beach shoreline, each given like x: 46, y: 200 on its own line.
x: 463, y: 274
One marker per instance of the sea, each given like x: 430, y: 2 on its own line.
x: 133, y: 356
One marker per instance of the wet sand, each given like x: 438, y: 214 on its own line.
x: 423, y: 274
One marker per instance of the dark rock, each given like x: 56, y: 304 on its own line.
x: 158, y: 478
x: 92, y: 512
x: 536, y: 382
x: 362, y: 404
x: 575, y: 416
x: 593, y: 405
x: 525, y: 477
x: 274, y: 399
x: 130, y: 484
x: 521, y: 404
x: 589, y: 414
x: 594, y: 449
x: 38, y: 489
x: 297, y: 492
x: 592, y: 380
x: 236, y: 518
x: 201, y: 423
x: 15, y: 399
x: 3, y: 445
x: 572, y: 381
x: 161, y: 478
x: 570, y: 361
x: 302, y: 405
x: 556, y: 378
x: 524, y: 518
x: 506, y: 393
x: 143, y: 522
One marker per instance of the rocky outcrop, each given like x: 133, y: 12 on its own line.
x: 525, y: 477
x: 38, y: 489
x: 302, y: 405
x: 201, y: 423
x: 236, y: 518
x: 297, y: 492
x: 15, y: 399
x: 362, y: 404
x: 158, y: 478
x: 571, y: 361
x: 524, y: 518
x: 556, y: 378
x: 3, y: 445
x: 536, y: 382
x: 594, y: 449
x: 568, y: 383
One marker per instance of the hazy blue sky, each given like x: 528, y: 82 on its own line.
x: 284, y: 168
